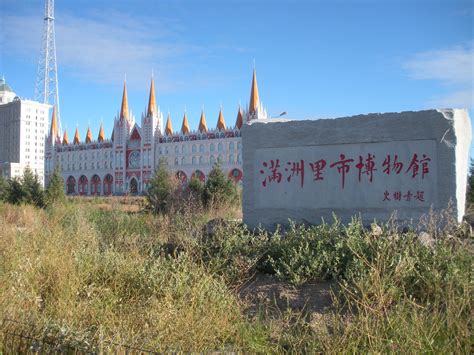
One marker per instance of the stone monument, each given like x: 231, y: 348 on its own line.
x: 368, y: 165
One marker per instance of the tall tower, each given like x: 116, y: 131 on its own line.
x: 46, y: 89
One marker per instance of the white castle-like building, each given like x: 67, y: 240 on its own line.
x: 125, y: 162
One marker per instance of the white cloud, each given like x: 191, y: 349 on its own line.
x: 456, y: 99
x: 453, y: 68
x: 103, y: 51
x: 451, y: 65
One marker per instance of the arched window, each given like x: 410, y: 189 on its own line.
x: 70, y: 185
x: 212, y: 148
x: 212, y: 159
x: 176, y: 161
x: 201, y: 160
x: 183, y: 149
x: 220, y: 159
x: 194, y: 148
x: 183, y: 160
x: 231, y: 158
x: 194, y: 160
x: 108, y: 180
x: 239, y: 160
x: 231, y: 146
x: 176, y: 150
x: 201, y: 148
x: 220, y: 147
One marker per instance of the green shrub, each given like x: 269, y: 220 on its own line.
x: 16, y: 194
x: 55, y: 190
x: 196, y: 189
x: 161, y: 189
x: 232, y: 251
x: 3, y: 189
x: 219, y: 189
x: 470, y: 184
x: 34, y: 193
x: 316, y: 252
x: 399, y: 295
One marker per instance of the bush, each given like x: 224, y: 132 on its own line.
x: 55, y: 190
x: 398, y: 295
x: 3, y: 189
x: 219, y: 189
x: 470, y: 184
x: 162, y: 187
x: 316, y: 252
x: 16, y: 194
x: 196, y: 189
x: 32, y: 191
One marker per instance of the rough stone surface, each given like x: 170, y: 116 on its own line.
x: 440, y: 139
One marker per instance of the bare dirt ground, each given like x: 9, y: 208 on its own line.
x: 267, y: 290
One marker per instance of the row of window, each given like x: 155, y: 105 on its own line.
x: 36, y: 150
x: 98, y: 165
x: 212, y: 160
x: 28, y: 123
x: 202, y: 136
x: 85, y: 156
x: 194, y: 148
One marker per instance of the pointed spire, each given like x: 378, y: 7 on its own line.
x: 101, y: 136
x: 169, y: 127
x: 254, y: 100
x: 202, y: 123
x: 124, y: 110
x: 239, y: 121
x: 77, y: 137
x: 152, y: 99
x: 88, y: 135
x: 221, y: 121
x: 185, y: 125
x: 54, y: 126
x: 65, y: 138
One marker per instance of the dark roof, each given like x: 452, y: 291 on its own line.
x: 4, y: 86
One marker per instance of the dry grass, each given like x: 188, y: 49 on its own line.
x: 55, y: 270
x: 106, y: 275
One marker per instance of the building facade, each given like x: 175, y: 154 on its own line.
x: 125, y: 162
x: 23, y: 131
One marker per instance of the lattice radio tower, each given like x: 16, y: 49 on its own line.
x: 46, y: 89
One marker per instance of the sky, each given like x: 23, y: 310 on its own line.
x: 314, y: 59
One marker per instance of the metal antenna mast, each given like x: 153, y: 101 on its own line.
x: 46, y: 89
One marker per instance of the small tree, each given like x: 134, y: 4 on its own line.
x: 3, y: 189
x: 161, y: 189
x: 16, y: 194
x: 219, y: 188
x: 55, y: 190
x: 33, y: 191
x: 470, y: 185
x: 196, y: 189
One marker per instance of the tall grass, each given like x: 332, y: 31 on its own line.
x: 160, y: 282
